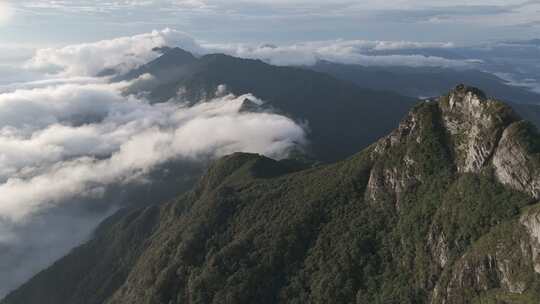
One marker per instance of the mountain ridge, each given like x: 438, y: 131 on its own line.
x: 440, y: 210
x: 342, y: 117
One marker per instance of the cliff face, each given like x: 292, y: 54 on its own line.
x: 477, y: 138
x: 442, y: 210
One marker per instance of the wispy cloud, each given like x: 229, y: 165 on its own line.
x: 359, y: 52
x: 125, y: 53
x: 298, y: 20
x: 122, y: 53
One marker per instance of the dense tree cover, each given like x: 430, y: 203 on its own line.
x: 256, y: 230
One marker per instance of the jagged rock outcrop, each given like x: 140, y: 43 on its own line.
x: 443, y: 210
x: 531, y: 221
x: 499, y: 266
x: 480, y: 133
x: 516, y: 163
x: 475, y: 124
x: 482, y: 136
x: 393, y: 178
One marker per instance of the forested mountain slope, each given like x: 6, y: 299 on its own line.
x: 442, y: 210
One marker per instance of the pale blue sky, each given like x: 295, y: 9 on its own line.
x: 61, y: 22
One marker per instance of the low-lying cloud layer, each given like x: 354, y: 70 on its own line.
x: 85, y: 137
x: 359, y: 52
x: 66, y: 141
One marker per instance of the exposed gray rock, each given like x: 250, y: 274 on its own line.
x: 484, y: 138
x: 475, y: 124
x: 438, y: 245
x: 514, y: 165
x: 531, y: 221
x: 393, y: 179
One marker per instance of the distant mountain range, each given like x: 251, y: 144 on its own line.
x: 514, y: 61
x: 347, y: 106
x: 426, y: 81
x: 342, y: 117
x: 441, y: 210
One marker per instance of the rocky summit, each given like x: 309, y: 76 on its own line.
x: 442, y: 210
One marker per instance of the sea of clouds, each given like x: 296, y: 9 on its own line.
x: 69, y: 136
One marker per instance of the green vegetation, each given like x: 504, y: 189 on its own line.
x: 260, y: 231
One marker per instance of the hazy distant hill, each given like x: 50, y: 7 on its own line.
x: 425, y: 81
x: 342, y: 117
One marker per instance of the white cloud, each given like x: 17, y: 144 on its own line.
x: 528, y: 83
x: 360, y: 52
x: 64, y: 142
x: 123, y: 54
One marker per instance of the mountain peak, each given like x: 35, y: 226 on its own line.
x: 473, y: 134
x: 470, y: 105
x: 462, y: 90
x: 173, y: 57
x: 166, y: 67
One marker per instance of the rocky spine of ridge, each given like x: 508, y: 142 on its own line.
x: 482, y: 136
x: 481, y: 133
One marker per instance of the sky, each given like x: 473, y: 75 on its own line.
x: 48, y: 22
